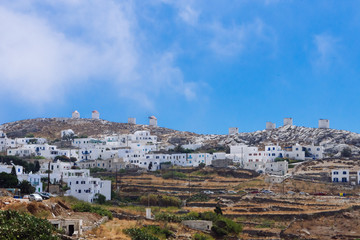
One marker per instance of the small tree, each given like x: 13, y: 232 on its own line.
x: 202, y: 165
x: 62, y: 158
x: 346, y: 152
x: 150, y: 166
x: 8, y: 180
x: 217, y: 209
x: 26, y: 188
x: 99, y: 198
x: 13, y: 171
x: 37, y: 166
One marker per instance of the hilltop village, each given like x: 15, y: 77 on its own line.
x: 119, y: 168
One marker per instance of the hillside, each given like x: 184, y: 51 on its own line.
x: 333, y: 140
x: 50, y: 128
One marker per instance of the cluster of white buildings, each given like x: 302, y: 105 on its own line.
x: 81, y: 184
x: 33, y: 178
x: 264, y: 160
x: 244, y: 153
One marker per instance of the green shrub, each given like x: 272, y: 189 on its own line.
x: 139, y: 234
x: 221, y: 225
x: 160, y: 200
x: 201, y: 236
x: 199, y: 197
x: 174, y: 175
x: 15, y: 225
x: 168, y: 217
x: 150, y: 232
x: 162, y: 233
x: 96, y: 170
x: 87, y: 207
x: 99, y: 198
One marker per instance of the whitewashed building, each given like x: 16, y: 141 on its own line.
x: 86, y: 188
x: 340, y: 175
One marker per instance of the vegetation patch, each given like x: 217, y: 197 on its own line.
x: 199, y: 197
x: 202, y: 236
x: 150, y: 232
x: 15, y: 225
x: 173, y: 175
x: 87, y: 207
x: 160, y: 200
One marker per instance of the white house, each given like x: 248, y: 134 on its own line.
x: 8, y: 168
x: 2, y: 134
x: 340, y: 175
x: 273, y: 151
x: 276, y: 168
x: 86, y: 188
x: 295, y: 152
x: 33, y: 179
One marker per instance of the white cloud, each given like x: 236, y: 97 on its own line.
x: 35, y: 62
x: 186, y: 10
x: 234, y: 40
x: 44, y: 54
x: 326, y: 52
x: 189, y: 15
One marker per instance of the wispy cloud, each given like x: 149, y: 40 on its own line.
x: 326, y: 50
x: 43, y: 54
x: 235, y: 39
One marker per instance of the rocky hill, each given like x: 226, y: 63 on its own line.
x: 50, y: 128
x: 333, y: 140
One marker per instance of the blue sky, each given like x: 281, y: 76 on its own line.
x: 199, y: 66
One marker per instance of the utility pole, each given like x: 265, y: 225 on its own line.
x: 48, y: 186
x: 116, y: 186
x: 189, y: 178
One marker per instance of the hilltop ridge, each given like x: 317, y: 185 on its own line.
x: 333, y: 140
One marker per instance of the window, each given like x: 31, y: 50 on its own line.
x: 336, y: 180
x: 344, y: 179
x: 77, y: 182
x: 344, y: 172
x: 336, y: 173
x: 79, y: 191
